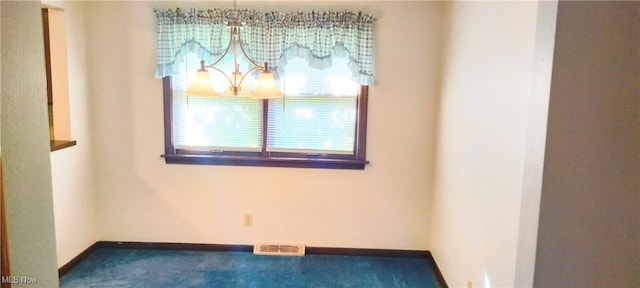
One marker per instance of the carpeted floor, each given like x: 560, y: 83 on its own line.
x: 168, y: 268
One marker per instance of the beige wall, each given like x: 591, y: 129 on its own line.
x: 74, y: 191
x: 143, y: 199
x: 25, y: 145
x: 590, y: 207
x: 481, y: 220
x: 486, y: 82
x: 494, y: 64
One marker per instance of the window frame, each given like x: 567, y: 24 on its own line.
x: 267, y: 159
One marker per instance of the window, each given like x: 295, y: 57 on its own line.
x: 320, y: 123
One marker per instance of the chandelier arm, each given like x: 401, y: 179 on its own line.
x: 221, y: 72
x: 226, y: 51
x: 235, y: 54
x: 253, y: 62
x: 247, y: 73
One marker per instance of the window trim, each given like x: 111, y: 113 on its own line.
x: 267, y: 159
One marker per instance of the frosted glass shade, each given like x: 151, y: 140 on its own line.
x: 243, y: 90
x: 266, y: 87
x: 202, y: 86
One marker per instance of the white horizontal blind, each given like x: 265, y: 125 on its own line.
x: 319, y: 111
x: 213, y: 124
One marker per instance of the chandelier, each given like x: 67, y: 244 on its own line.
x: 266, y: 87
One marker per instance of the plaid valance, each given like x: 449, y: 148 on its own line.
x: 268, y: 37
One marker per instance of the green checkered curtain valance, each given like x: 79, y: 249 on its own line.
x: 271, y: 37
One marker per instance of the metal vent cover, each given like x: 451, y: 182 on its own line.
x: 280, y: 249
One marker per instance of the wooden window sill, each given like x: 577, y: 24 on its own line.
x: 265, y: 162
x: 61, y: 144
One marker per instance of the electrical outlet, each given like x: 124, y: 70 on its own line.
x: 248, y: 220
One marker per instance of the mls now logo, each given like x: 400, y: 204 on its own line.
x: 18, y: 280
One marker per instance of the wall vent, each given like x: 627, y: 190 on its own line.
x: 280, y: 249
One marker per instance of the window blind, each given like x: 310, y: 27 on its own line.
x: 318, y: 113
x: 213, y: 124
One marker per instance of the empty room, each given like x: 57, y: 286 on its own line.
x: 320, y: 143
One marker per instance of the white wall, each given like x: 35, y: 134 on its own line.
x: 536, y: 132
x: 74, y: 191
x: 143, y: 199
x: 590, y: 207
x: 25, y: 145
x: 486, y: 85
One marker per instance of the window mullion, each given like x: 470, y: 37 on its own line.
x: 265, y: 117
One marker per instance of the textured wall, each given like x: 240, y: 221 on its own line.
x: 590, y: 207
x: 25, y: 145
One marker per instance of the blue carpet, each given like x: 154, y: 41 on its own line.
x: 169, y: 268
